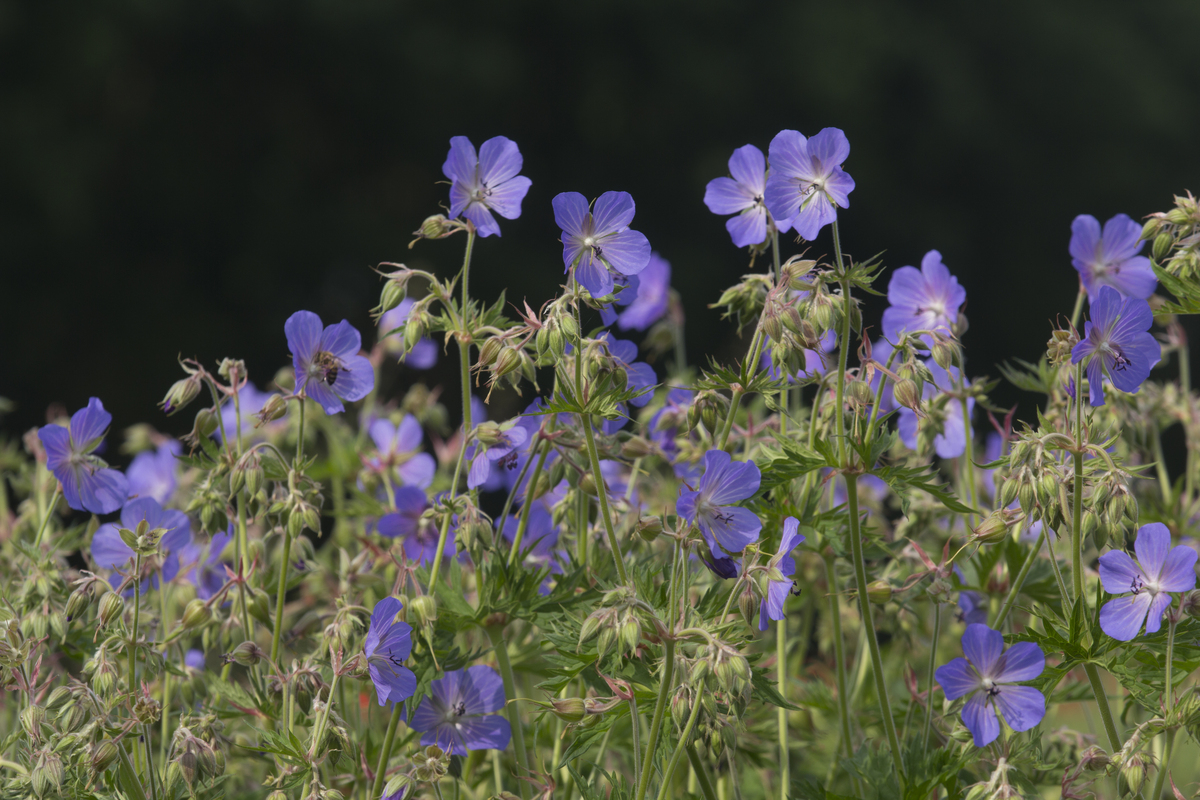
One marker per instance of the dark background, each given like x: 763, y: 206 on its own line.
x: 178, y: 178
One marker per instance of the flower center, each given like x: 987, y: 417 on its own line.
x: 937, y: 308
x: 1139, y: 585
x: 589, y: 241
x: 459, y: 708
x: 325, y: 367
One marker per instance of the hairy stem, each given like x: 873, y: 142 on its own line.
x: 1170, y: 707
x: 933, y: 646
x: 785, y: 772
x: 1019, y: 581
x: 513, y: 707
x: 660, y: 706
x: 839, y: 654
x: 706, y: 787
x: 386, y: 753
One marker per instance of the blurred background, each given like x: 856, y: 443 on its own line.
x: 178, y: 178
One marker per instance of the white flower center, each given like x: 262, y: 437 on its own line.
x: 589, y: 241
x: 987, y: 684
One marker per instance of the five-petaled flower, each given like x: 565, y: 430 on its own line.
x: 1111, y: 258
x: 725, y: 481
x: 494, y: 444
x: 744, y: 196
x: 400, y: 452
x: 1159, y: 569
x: 154, y: 473
x: 328, y: 366
x: 487, y: 183
x: 927, y: 299
x: 387, y: 646
x: 987, y: 674
x: 110, y: 552
x: 460, y: 714
x: 87, y: 482
x: 778, y: 591
x: 1117, y: 343
x: 408, y: 522
x: 598, y: 242
x: 807, y: 184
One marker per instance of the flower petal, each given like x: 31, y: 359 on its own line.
x: 628, y: 252
x: 593, y: 275
x: 303, y: 330
x: 1085, y: 240
x: 613, y: 212
x: 980, y: 719
x: 830, y: 148
x: 1024, y: 661
x: 1158, y: 607
x: 88, y: 425
x: 748, y: 227
x: 1152, y: 545
x: 749, y: 168
x: 1022, y: 707
x: 499, y: 160
x: 341, y: 339
x: 982, y: 647
x: 482, y: 690
x: 956, y: 678
x: 506, y: 198
x: 109, y: 550
x: 355, y: 379
x: 1122, y: 618
x: 1179, y: 570
x: 727, y: 196
x: 57, y: 441
x: 1119, y: 573
x: 570, y: 213
x: 491, y: 732
x: 103, y: 491
x: 461, y: 162
x: 732, y: 527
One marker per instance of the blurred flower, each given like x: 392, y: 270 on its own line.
x: 459, y: 715
x: 1111, y: 258
x: 250, y: 402
x: 400, y: 451
x: 598, y: 243
x: 110, y: 552
x: 972, y: 606
x: 923, y: 300
x: 651, y: 294
x: 1159, y: 569
x: 154, y: 473
x: 487, y: 183
x: 1116, y: 343
x: 194, y: 659
x: 988, y: 674
x: 328, y: 366
x: 424, y: 353
x: 207, y: 573
x: 88, y: 483
x: 407, y: 522
x: 387, y: 647
x: 724, y: 481
x: 807, y: 183
x: 951, y: 442
x: 501, y: 449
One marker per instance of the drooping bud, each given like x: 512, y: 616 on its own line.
x: 196, y: 613
x: 907, y: 394
x: 649, y: 528
x: 569, y: 709
x: 247, y: 654
x: 1162, y: 245
x: 181, y: 393
x: 681, y: 706
x: 111, y: 608
x: 434, y: 227
x: 273, y: 409
x: 32, y: 719
x: 104, y: 755
x: 879, y: 592
x: 422, y: 610
x: 1134, y: 772
x: 992, y: 530
x: 47, y: 775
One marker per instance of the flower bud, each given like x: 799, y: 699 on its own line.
x: 247, y: 654
x: 31, y: 720
x: 860, y: 392
x: 879, y: 592
x: 939, y: 590
x: 111, y: 608
x: 434, y: 227
x: 47, y: 775
x: 205, y: 425
x: 422, y: 610
x: 1134, y: 773
x: 79, y: 601
x: 196, y: 613
x: 569, y: 709
x: 631, y: 634
x: 748, y: 605
x: 104, y: 755
x: 395, y: 787
x: 181, y: 393
x: 992, y: 530
x: 273, y: 409
x: 943, y: 351
x: 649, y: 528
x: 681, y: 706
x: 1162, y: 245
x: 58, y: 698
x: 907, y: 394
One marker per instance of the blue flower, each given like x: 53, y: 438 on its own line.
x: 250, y: 402
x: 87, y: 482
x: 207, y: 571
x: 328, y: 366
x: 1159, y: 569
x: 778, y: 591
x: 400, y: 451
x: 487, y: 183
x: 387, y: 647
x: 951, y: 441
x: 460, y: 714
x: 744, y: 196
x: 499, y: 447
x: 987, y: 674
x: 807, y: 183
x: 923, y: 300
x: 1111, y: 258
x: 648, y: 294
x: 1116, y: 343
x: 724, y: 482
x: 154, y: 473
x: 408, y: 522
x: 599, y: 243
x: 110, y: 552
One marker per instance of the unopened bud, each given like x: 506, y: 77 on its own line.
x: 1134, y: 773
x: 879, y: 592
x: 568, y: 709
x: 205, y: 425
x: 434, y: 227
x: 859, y: 392
x: 31, y: 720
x: 247, y: 654
x: 681, y: 706
x: 1162, y: 245
x: 58, y: 698
x: 992, y: 530
x: 748, y: 605
x: 649, y: 528
x: 104, y: 755
x: 196, y: 613
x: 273, y: 409
x: 181, y: 393
x: 906, y: 394
x: 111, y: 608
x: 422, y: 610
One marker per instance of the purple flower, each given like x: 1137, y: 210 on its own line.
x: 87, y: 482
x: 951, y: 442
x: 110, y: 552
x: 328, y: 366
x: 923, y: 300
x: 723, y: 566
x: 1111, y: 258
x: 972, y: 606
x: 988, y: 674
x: 400, y: 451
x: 540, y: 540
x: 1159, y: 569
x: 250, y: 402
x: 725, y: 481
x: 778, y: 591
x: 598, y: 242
x: 639, y: 375
x: 459, y: 715
x: 407, y: 522
x: 652, y: 292
x: 424, y: 353
x: 807, y: 184
x: 1116, y: 343
x: 207, y: 572
x: 664, y: 425
x: 154, y: 473
x: 194, y: 659
x: 743, y: 195
x: 387, y: 646
x: 502, y: 442
x: 485, y: 183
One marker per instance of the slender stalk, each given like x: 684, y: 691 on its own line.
x: 243, y: 566
x: 1185, y: 384
x: 785, y: 772
x: 137, y: 607
x: 839, y: 410
x: 386, y: 753
x: 748, y: 369
x: 281, y: 593
x: 968, y: 455
x: 166, y: 691
x: 1077, y: 501
x: 839, y: 655
x: 1110, y: 727
x: 1170, y: 708
x: 523, y: 524
x: 602, y: 491
x: 635, y: 752
x: 513, y: 707
x: 1019, y: 581
x: 1160, y: 464
x: 319, y: 730
x: 1078, y: 307
x: 864, y: 608
x: 933, y: 647
x: 660, y: 705
x: 37, y: 540
x: 684, y: 737
x: 150, y: 763
x: 464, y: 358
x: 700, y: 772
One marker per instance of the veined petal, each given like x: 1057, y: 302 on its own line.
x: 461, y: 162
x: 594, y: 276
x: 782, y: 196
x: 426, y: 717
x: 777, y: 593
x: 830, y: 148
x: 980, y: 719
x: 103, y: 491
x: 1179, y: 570
x: 732, y: 527
x: 1119, y: 573
x: 727, y: 481
x: 341, y: 339
x: 789, y: 156
x: 1135, y: 278
x: 382, y: 618
x: 1024, y: 661
x: 482, y: 690
x: 355, y: 379
x: 1122, y: 617
x: 491, y: 732
x: 838, y: 186
x: 1152, y: 545
x: 815, y: 214
x: 1085, y: 240
x: 982, y: 647
x: 57, y: 441
x: 1154, y: 615
x: 570, y: 213
x: 791, y: 536
x: 88, y: 425
x: 418, y: 471
x: 109, y: 550
x: 956, y: 678
x: 460, y: 198
x: 323, y: 395
x: 303, y: 331
x: 1022, y: 707
x: 628, y: 252
x: 393, y: 683
x: 506, y: 198
x: 748, y: 227
x: 485, y: 223
x: 685, y: 506
x: 749, y: 168
x: 727, y: 196
x: 1121, y: 239
x: 499, y: 160
x: 1095, y: 381
x: 613, y: 212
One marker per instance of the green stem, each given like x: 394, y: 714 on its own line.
x: 464, y: 358
x: 1015, y: 589
x: 300, y: 439
x: 864, y: 608
x: 1110, y: 727
x: 166, y: 692
x: 684, y: 737
x: 1185, y: 384
x: 933, y: 646
x: 513, y: 707
x: 1078, y: 308
x: 839, y: 654
x: 137, y: 607
x: 700, y: 772
x: 37, y: 541
x: 748, y: 369
x: 660, y: 706
x: 1160, y: 465
x: 785, y: 775
x: 635, y: 752
x: 1077, y: 501
x: 523, y: 525
x: 243, y: 567
x: 602, y: 491
x: 386, y: 753
x: 150, y: 763
x: 839, y: 410
x: 1170, y: 707
x: 322, y: 722
x: 281, y: 593
x: 968, y: 454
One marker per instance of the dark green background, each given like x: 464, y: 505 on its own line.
x: 179, y: 177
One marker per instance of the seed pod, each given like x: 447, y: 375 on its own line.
x: 32, y: 719
x: 993, y: 529
x: 649, y: 528
x: 247, y: 654
x: 181, y: 393
x: 907, y: 394
x: 1134, y: 773
x: 1162, y: 245
x: 569, y: 709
